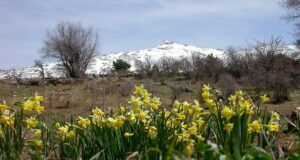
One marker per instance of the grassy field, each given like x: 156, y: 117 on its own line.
x: 66, y: 100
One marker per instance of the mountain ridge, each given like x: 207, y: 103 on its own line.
x: 102, y: 64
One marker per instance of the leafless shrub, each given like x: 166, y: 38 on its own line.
x: 266, y: 66
x: 169, y: 66
x: 213, y: 67
x: 237, y: 63
x: 281, y: 86
x: 198, y: 62
x: 146, y: 68
x: 39, y: 64
x: 73, y: 45
x: 227, y: 84
x: 186, y: 67
x: 272, y: 69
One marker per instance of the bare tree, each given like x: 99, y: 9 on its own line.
x: 39, y: 64
x: 198, y: 63
x: 267, y: 66
x: 169, y: 66
x: 213, y: 67
x: 293, y: 7
x: 192, y: 67
x: 73, y: 45
x: 186, y: 67
x: 293, y: 15
x: 234, y: 62
x: 145, y: 68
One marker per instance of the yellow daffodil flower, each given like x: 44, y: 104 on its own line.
x: 57, y: 125
x: 181, y: 116
x: 176, y: 104
x: 275, y: 116
x: 189, y: 148
x: 264, y: 98
x: 31, y: 122
x: 120, y: 121
x: 136, y: 103
x: 138, y: 90
x: 3, y: 107
x: 227, y: 113
x: 245, y: 106
x: 273, y: 127
x: 70, y: 135
x: 255, y: 126
x: 62, y: 131
x: 192, y: 130
x: 206, y: 95
x: 131, y: 117
x: 127, y: 134
x: 185, y: 105
x: 209, y: 103
x: 4, y: 119
x: 111, y: 122
x: 38, y: 98
x: 228, y: 127
x: 200, y: 138
x: 239, y: 93
x: 190, y: 111
x: 37, y: 133
x: 39, y: 109
x: 146, y: 94
x: 29, y: 105
x: 232, y: 99
x: 154, y: 106
x: 206, y: 88
x: 98, y: 112
x: 122, y: 109
x: 35, y: 144
x: 152, y: 132
x: 1, y: 131
x: 83, y: 122
x: 143, y: 115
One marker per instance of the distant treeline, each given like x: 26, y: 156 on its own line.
x: 264, y: 66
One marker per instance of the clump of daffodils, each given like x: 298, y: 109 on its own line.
x: 273, y: 125
x: 83, y: 122
x: 20, y: 125
x: 33, y: 104
x: 237, y: 118
x: 212, y: 119
x: 64, y: 131
x: 185, y: 120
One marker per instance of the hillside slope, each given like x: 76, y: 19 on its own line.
x: 103, y: 63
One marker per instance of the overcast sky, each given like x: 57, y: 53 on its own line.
x: 126, y: 25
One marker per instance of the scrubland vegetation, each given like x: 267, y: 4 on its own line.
x: 266, y: 67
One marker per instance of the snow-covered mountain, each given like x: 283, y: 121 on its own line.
x: 103, y: 64
x: 167, y: 49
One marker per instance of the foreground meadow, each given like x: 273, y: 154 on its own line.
x: 216, y: 127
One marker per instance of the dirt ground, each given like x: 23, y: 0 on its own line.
x: 64, y: 101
